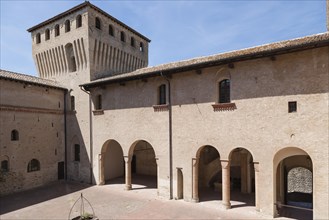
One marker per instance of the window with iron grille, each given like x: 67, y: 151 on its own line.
x: 224, y: 91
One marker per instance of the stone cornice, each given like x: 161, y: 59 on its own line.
x: 30, y: 109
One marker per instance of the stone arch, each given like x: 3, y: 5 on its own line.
x: 206, y: 174
x: 142, y: 163
x: 286, y: 160
x: 70, y: 56
x: 111, y: 162
x: 242, y: 173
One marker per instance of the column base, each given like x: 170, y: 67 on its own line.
x: 101, y: 183
x: 226, y: 205
x: 195, y: 200
x: 127, y: 187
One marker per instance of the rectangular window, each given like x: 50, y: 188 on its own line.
x: 77, y: 152
x: 98, y: 104
x: 292, y: 106
x: 162, y: 95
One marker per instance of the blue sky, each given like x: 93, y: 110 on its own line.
x: 179, y: 30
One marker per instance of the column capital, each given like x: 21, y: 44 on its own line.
x: 225, y: 164
x: 126, y: 158
x: 256, y: 166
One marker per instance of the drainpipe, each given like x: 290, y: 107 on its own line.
x: 170, y: 136
x: 91, y: 136
x: 65, y: 135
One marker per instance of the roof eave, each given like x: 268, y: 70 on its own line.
x: 211, y: 63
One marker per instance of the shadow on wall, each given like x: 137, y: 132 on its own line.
x: 28, y: 198
x: 78, y: 161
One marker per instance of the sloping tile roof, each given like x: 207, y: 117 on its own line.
x: 8, y: 75
x: 79, y: 7
x: 271, y: 49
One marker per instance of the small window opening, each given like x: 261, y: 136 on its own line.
x: 67, y: 26
x: 141, y: 47
x: 123, y: 36
x: 34, y: 165
x: 4, y: 166
x: 47, y: 34
x: 162, y: 95
x: 79, y: 21
x: 38, y: 38
x: 111, y: 31
x: 77, y: 152
x: 98, y: 23
x: 292, y: 107
x: 224, y: 91
x: 72, y: 103
x: 98, y: 105
x: 57, y: 30
x: 14, y: 135
x: 132, y: 42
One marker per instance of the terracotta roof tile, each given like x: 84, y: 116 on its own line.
x: 4, y: 74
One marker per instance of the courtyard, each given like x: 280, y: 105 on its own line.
x: 110, y: 201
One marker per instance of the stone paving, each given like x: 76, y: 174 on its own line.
x: 112, y: 202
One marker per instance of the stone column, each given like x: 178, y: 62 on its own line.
x: 157, y: 162
x: 101, y: 169
x: 226, y: 194
x: 195, y: 183
x: 128, y: 172
x: 256, y: 167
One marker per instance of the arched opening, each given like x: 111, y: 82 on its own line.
x: 98, y: 23
x: 47, y: 34
x: 122, y: 36
x: 38, y: 38
x: 67, y: 26
x: 242, y: 178
x: 72, y: 66
x: 293, y: 184
x: 14, y: 135
x: 4, y: 163
x: 209, y: 174
x: 57, y: 33
x: 224, y: 91
x: 34, y: 165
x: 180, y: 184
x: 143, y: 165
x: 79, y: 21
x: 132, y: 41
x: 111, y: 30
x: 112, y: 166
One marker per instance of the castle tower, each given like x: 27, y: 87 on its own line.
x: 85, y: 38
x: 77, y: 46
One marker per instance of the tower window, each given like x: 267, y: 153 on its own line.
x: 38, y: 38
x: 70, y: 57
x: 67, y: 26
x: 79, y: 21
x: 111, y: 30
x: 47, y: 34
x: 98, y: 104
x: 14, y: 135
x: 77, y: 152
x: 4, y: 166
x: 98, y: 23
x: 34, y: 165
x: 141, y: 47
x: 292, y: 107
x: 123, y: 36
x: 162, y: 95
x: 72, y: 103
x: 224, y: 91
x: 57, y: 30
x: 132, y: 42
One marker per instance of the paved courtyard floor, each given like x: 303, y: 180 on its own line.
x: 112, y: 202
